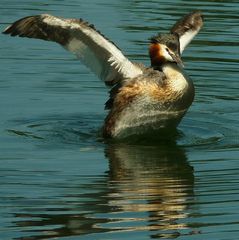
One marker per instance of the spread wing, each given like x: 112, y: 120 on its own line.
x: 83, y: 40
x: 187, y: 28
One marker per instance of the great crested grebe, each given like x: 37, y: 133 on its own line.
x: 142, y: 98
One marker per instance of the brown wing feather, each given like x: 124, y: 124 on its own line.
x: 35, y: 27
x: 192, y: 21
x: 83, y: 40
x: 187, y: 28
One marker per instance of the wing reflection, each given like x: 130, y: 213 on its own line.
x: 147, y: 188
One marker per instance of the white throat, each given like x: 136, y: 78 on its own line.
x: 175, y: 77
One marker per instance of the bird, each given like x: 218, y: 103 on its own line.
x: 142, y: 99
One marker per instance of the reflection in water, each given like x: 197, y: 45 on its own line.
x: 148, y: 191
x: 147, y: 188
x: 156, y: 180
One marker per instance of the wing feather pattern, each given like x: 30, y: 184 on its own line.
x: 187, y: 28
x: 82, y: 39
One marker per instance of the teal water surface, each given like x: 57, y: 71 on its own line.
x: 60, y: 180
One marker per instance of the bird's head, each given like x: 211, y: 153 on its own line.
x: 164, y: 48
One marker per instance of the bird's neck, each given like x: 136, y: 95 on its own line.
x: 176, y: 78
x: 156, y: 56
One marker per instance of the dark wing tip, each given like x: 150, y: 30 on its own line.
x: 12, y: 31
x: 193, y: 15
x: 192, y: 21
x: 36, y: 27
x: 8, y: 30
x: 21, y: 27
x: 196, y: 11
x: 196, y: 15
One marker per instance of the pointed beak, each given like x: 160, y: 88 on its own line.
x: 176, y: 57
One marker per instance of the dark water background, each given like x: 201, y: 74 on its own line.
x: 59, y: 180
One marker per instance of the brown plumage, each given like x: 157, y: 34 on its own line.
x: 141, y: 97
x: 190, y: 22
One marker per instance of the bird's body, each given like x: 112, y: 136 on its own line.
x: 141, y: 99
x: 154, y: 100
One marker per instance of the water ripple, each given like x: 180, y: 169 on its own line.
x: 59, y: 179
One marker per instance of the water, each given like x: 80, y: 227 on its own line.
x: 58, y: 179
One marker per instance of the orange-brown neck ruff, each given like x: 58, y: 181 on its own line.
x: 155, y: 55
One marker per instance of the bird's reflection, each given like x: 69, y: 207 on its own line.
x: 147, y: 188
x: 156, y: 180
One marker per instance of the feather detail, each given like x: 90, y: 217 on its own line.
x: 187, y: 28
x: 98, y: 53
